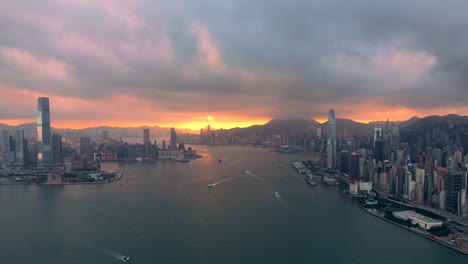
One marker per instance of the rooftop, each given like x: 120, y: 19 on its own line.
x: 426, y: 219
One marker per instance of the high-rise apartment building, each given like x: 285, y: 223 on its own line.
x: 44, y: 156
x: 331, y: 140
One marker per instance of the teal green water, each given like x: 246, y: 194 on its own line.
x: 164, y: 213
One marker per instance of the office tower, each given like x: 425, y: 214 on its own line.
x: 173, y: 144
x: 378, y: 151
x: 331, y: 140
x: 105, y: 135
x: 453, y: 195
x: 354, y: 173
x: 8, y: 147
x: 377, y: 134
x: 146, y: 141
x: 164, y: 145
x: 85, y: 145
x: 19, y: 147
x: 344, y: 163
x: 56, y: 149
x: 43, y: 132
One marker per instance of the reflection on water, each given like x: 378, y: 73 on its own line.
x: 164, y: 213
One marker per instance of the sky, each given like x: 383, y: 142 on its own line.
x: 189, y: 63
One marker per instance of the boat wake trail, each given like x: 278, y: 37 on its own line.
x: 110, y: 253
x: 226, y: 180
x: 254, y: 176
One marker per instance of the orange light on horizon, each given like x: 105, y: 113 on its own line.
x: 196, y: 126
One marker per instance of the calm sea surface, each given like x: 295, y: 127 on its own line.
x: 164, y: 213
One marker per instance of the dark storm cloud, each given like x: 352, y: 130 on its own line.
x: 305, y: 56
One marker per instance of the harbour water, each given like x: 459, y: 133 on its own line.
x: 165, y: 213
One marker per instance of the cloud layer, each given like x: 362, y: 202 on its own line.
x: 141, y: 61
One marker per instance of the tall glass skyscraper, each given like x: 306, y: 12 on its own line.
x: 44, y: 156
x: 331, y: 140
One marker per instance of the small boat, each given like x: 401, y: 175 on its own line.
x: 210, y: 185
x: 279, y: 166
x: 310, y: 181
x: 220, y: 160
x: 127, y: 259
x: 277, y: 195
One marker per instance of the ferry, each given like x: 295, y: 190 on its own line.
x: 329, y: 181
x: 310, y: 181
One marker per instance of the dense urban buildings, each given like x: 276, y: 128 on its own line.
x: 424, y: 163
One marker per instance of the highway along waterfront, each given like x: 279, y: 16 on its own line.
x: 164, y: 212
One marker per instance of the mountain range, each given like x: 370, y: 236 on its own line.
x: 274, y: 126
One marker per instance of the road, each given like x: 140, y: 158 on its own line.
x: 442, y: 213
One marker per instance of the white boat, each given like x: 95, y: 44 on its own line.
x: 127, y: 259
x: 210, y: 185
x: 277, y: 195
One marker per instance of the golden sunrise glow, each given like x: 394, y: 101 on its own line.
x: 196, y: 122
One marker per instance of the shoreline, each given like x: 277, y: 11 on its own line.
x: 66, y: 183
x: 464, y: 252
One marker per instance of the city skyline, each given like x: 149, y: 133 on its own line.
x: 238, y: 64
x: 187, y: 125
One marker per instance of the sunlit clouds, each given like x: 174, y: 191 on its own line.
x: 188, y: 64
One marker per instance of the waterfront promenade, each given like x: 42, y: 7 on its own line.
x: 380, y: 215
x: 436, y: 211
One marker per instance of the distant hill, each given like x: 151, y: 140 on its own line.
x: 30, y: 129
x: 351, y: 127
x: 409, y: 122
x: 435, y: 121
x: 275, y: 126
x: 448, y: 124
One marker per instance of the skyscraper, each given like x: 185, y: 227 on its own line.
x: 56, y: 149
x: 146, y: 141
x: 454, y: 185
x: 173, y: 144
x: 6, y: 146
x: 331, y: 140
x: 43, y: 132
x: 378, y: 134
x: 19, y: 147
x: 85, y: 145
